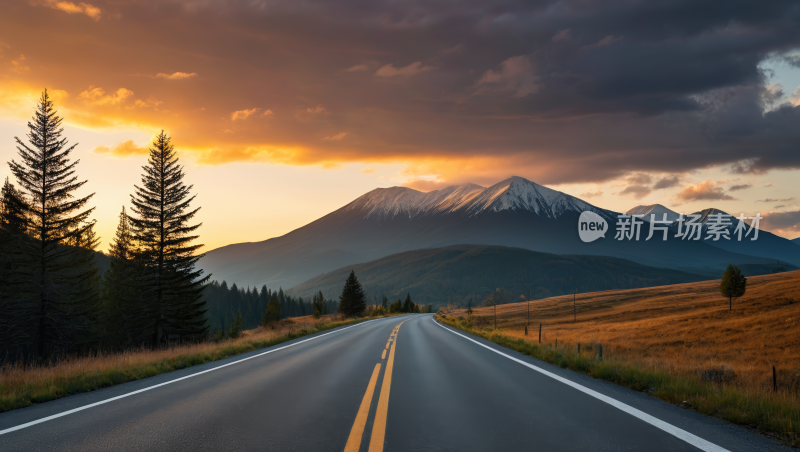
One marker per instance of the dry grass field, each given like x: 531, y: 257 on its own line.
x: 25, y: 385
x: 683, y: 328
x: 679, y: 343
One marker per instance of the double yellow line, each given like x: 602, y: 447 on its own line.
x: 379, y: 425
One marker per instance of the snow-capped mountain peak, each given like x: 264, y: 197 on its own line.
x: 517, y: 193
x: 513, y: 194
x: 656, y: 209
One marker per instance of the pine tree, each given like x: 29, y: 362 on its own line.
x: 733, y: 284
x: 273, y: 312
x: 352, y: 302
x: 408, y: 305
x: 61, y: 276
x: 318, y: 304
x: 172, y: 300
x: 236, y: 326
x: 13, y: 208
x: 120, y: 292
x: 385, y: 302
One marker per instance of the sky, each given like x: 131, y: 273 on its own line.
x: 283, y: 111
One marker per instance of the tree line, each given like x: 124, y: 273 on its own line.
x: 53, y: 298
x: 353, y: 302
x: 225, y: 303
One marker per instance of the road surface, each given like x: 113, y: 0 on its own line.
x: 397, y: 384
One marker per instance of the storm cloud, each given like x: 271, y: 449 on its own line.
x: 554, y: 91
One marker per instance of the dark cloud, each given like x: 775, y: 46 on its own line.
x: 667, y: 182
x: 740, y: 187
x: 558, y: 92
x: 775, y: 200
x: 785, y: 221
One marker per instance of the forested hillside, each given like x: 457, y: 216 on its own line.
x: 463, y: 272
x: 225, y: 302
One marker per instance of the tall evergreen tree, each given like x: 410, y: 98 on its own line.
x: 120, y: 293
x: 61, y: 276
x: 352, y: 301
x: 272, y: 313
x: 408, y: 305
x: 173, y: 301
x: 13, y: 208
x: 318, y: 304
x: 236, y: 326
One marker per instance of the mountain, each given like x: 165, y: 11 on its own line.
x: 457, y: 273
x: 768, y: 245
x: 797, y: 240
x: 656, y: 209
x: 515, y: 212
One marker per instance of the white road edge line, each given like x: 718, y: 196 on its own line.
x: 92, y: 405
x: 694, y: 440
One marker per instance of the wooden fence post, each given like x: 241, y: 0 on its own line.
x: 600, y: 346
x: 774, y: 380
x: 540, y: 333
x: 579, y: 348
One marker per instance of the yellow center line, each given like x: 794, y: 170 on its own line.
x: 382, y: 412
x: 383, y: 355
x: 354, y: 441
x: 388, y: 344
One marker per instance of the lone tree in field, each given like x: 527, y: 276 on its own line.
x: 733, y: 284
x: 352, y: 301
x: 171, y: 300
x: 60, y: 276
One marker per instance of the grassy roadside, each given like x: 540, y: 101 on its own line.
x: 775, y: 416
x: 25, y: 386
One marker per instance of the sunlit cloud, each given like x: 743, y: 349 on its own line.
x: 97, y: 96
x: 244, y: 114
x: 358, y: 67
x: 337, y: 137
x: 71, y: 8
x: 703, y: 191
x: 368, y: 170
x: 412, y: 69
x: 124, y: 149
x: 19, y: 66
x: 176, y: 75
x: 588, y: 194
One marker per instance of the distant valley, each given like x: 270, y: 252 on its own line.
x: 462, y: 273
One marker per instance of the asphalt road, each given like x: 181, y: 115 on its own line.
x: 372, y: 386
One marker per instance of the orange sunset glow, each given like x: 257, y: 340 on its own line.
x: 284, y: 111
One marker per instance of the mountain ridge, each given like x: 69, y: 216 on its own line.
x: 514, y: 212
